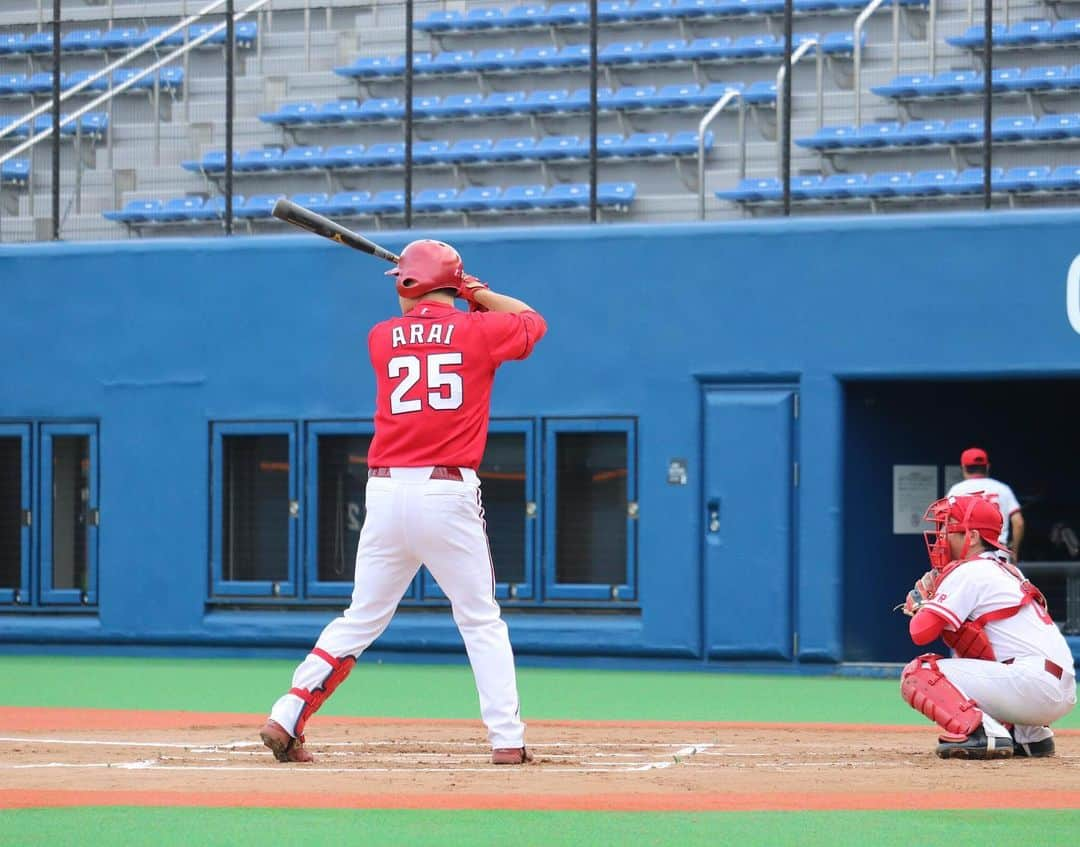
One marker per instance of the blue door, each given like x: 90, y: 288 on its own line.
x: 749, y: 482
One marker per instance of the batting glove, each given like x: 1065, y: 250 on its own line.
x: 469, y: 286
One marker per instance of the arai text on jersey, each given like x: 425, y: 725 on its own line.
x: 422, y: 334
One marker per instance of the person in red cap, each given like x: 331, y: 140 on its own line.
x: 975, y: 465
x: 434, y: 370
x: 1011, y: 674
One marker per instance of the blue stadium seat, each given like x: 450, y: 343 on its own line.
x: 712, y: 92
x: 970, y: 181
x: 1068, y: 30
x: 40, y: 83
x: 572, y: 56
x: 622, y: 53
x: 260, y: 160
x: 608, y: 144
x: 696, y: 8
x: 123, y: 75
x: 878, y: 134
x: 494, y: 59
x: 615, y: 194
x: 171, y: 79
x: 685, y: 143
x: 370, y: 67
x: 1064, y: 178
x: 513, y: 149
x: 664, y: 50
x: 440, y: 21
x: 1026, y: 179
x: 525, y: 16
x: 840, y: 43
x: 830, y: 137
x: 257, y: 206
x: 755, y: 47
x: 468, y: 150
x: 679, y: 96
x: 456, y: 105
x: 343, y: 156
x: 482, y: 18
x: 423, y: 105
x: 547, y: 101
x: 82, y: 41
x: 501, y: 103
x: 211, y: 161
x: 289, y: 114
x: 1024, y: 33
x: 579, y: 100
x: 884, y: 184
x: 839, y: 186
x: 1013, y: 128
x: 611, y: 11
x: 567, y: 195
x: 428, y: 152
x: 335, y: 112
x: 903, y: 86
x: 753, y: 190
x: 560, y: 147
x: 302, y: 158
x: 380, y: 109
x: 122, y: 38
x: 1073, y: 79
x: 38, y: 42
x: 518, y: 197
x: 385, y: 154
x: 347, y: 203
x: 11, y: 84
x: 962, y: 131
x: 152, y: 32
x: 951, y: 83
x: 1007, y: 79
x: 932, y: 183
x: 15, y: 171
x: 214, y: 208
x: 560, y: 14
x: 1044, y: 78
x: 11, y: 43
x: 245, y: 33
x: 179, y: 209
x: 530, y: 58
x: 451, y: 62
x: 650, y: 10
x: 760, y: 92
x: 803, y: 187
x: 706, y: 49
x: 390, y: 202
x: 135, y: 211
x: 973, y: 35
x: 644, y: 144
x: 1056, y: 127
x: 917, y: 133
x: 633, y: 97
x: 432, y: 200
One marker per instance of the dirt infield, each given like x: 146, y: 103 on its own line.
x: 63, y: 757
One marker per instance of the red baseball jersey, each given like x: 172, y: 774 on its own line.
x: 434, y: 368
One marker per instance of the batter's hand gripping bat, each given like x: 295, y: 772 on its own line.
x: 297, y: 215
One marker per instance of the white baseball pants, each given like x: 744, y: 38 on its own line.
x: 413, y: 519
x: 1022, y: 693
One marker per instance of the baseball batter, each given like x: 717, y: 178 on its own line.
x: 1012, y: 672
x: 434, y: 369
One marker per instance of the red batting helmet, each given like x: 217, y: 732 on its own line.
x: 960, y: 514
x: 425, y: 266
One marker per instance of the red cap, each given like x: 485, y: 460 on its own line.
x: 974, y: 456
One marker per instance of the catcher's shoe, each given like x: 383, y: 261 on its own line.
x: 284, y: 747
x: 1034, y: 749
x: 510, y: 756
x: 976, y: 746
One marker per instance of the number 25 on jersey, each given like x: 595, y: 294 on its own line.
x: 444, y: 387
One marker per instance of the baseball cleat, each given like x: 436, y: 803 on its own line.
x: 284, y: 747
x: 510, y: 756
x: 976, y: 746
x: 1034, y: 749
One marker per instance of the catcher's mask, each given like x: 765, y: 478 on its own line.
x: 425, y: 266
x: 960, y: 514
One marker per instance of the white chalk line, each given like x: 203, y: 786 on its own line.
x: 152, y: 764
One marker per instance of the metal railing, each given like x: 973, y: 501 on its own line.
x: 703, y: 125
x: 856, y: 32
x: 800, y: 51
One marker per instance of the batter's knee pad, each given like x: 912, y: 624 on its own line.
x: 926, y: 689
x: 339, y: 669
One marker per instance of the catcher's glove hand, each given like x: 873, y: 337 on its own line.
x: 925, y: 588
x: 469, y: 286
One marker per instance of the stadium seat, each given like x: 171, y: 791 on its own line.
x: 518, y: 197
x: 38, y: 42
x: 433, y: 200
x: 214, y: 208
x: 334, y: 112
x: 706, y: 49
x: 633, y: 97
x: 468, y: 150
x: 11, y: 43
x: 547, y: 101
x: 679, y: 96
x: 82, y: 41
x: 696, y: 8
x: 1007, y: 79
x: 343, y: 156
x: 1064, y: 31
x: 973, y: 35
x: 685, y: 143
x: 1013, y: 128
x: 1026, y: 179
x: 829, y: 137
x: 482, y: 18
x: 530, y: 58
x: 428, y: 152
x: 122, y: 75
x: 512, y: 149
x: 257, y: 206
x: 970, y: 181
x: 877, y: 134
x: 649, y: 10
x: 122, y: 38
x: 494, y: 59
x: 347, y: 203
x: 290, y: 114
x: 560, y: 147
x: 501, y: 103
x: 753, y: 190
x: 617, y: 194
x: 179, y: 209
x: 932, y: 183
x: 475, y: 198
x: 760, y: 92
x: 15, y: 171
x: 579, y: 100
x: 608, y: 144
x: 451, y: 62
x: 840, y: 43
x: 301, y: 158
x: 622, y: 53
x: 962, y: 131
x: 1024, y: 33
x: 152, y: 32
x: 610, y: 11
x: 440, y: 21
x: 1064, y: 178
x: 803, y: 187
x: 379, y: 109
x: 561, y: 14
x: 259, y: 160
x: 11, y: 84
x: 903, y: 86
x: 171, y: 79
x: 456, y: 105
x: 384, y: 154
x: 644, y: 144
x: 884, y: 184
x: 951, y: 83
x: 525, y: 16
x: 135, y: 211
x: 918, y: 133
x: 839, y: 186
x: 1044, y: 78
x: 385, y: 203
x: 39, y: 83
x: 1056, y: 127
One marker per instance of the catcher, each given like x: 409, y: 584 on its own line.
x: 1012, y: 672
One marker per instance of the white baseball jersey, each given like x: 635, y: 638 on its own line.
x: 984, y: 585
x: 996, y: 492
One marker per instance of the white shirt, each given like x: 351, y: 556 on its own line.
x: 983, y: 585
x: 996, y: 492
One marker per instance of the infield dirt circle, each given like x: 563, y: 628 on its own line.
x: 57, y: 757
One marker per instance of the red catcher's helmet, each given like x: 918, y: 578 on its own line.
x: 960, y: 514
x: 425, y: 266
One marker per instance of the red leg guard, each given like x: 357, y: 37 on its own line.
x: 926, y: 689
x: 339, y: 669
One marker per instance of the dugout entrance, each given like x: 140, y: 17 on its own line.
x: 904, y: 436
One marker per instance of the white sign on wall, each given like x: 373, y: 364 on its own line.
x: 914, y: 488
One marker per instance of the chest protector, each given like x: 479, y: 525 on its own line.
x: 970, y: 641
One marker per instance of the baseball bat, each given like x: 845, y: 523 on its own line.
x: 295, y: 214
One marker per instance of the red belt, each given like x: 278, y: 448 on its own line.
x: 1051, y: 668
x: 437, y: 472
